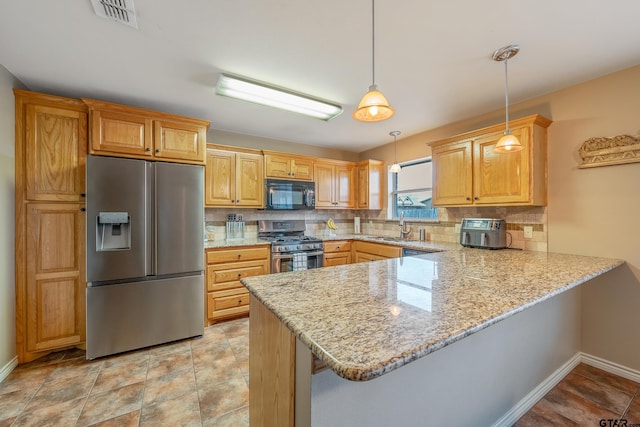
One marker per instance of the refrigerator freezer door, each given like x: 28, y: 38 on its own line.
x: 116, y: 205
x: 128, y: 316
x: 180, y: 218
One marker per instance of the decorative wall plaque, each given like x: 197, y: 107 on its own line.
x: 605, y: 151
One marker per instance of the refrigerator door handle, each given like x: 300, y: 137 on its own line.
x: 151, y: 210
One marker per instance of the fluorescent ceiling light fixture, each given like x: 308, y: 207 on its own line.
x: 273, y: 96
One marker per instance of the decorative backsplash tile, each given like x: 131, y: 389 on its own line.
x: 375, y: 223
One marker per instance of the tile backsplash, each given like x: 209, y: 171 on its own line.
x: 375, y: 223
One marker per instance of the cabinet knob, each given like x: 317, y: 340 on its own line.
x: 83, y: 195
x: 337, y: 247
x: 475, y: 198
x: 239, y: 255
x: 239, y: 302
x: 468, y: 198
x: 157, y: 150
x: 237, y: 201
x: 239, y: 274
x: 147, y: 149
x: 83, y: 209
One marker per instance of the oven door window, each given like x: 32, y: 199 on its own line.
x: 282, y: 263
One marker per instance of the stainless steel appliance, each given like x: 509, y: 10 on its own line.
x: 289, y: 195
x: 291, y: 250
x: 145, y: 250
x: 487, y: 233
x: 414, y: 252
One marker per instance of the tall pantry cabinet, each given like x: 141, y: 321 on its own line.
x: 51, y: 144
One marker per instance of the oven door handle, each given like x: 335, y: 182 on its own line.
x: 290, y: 256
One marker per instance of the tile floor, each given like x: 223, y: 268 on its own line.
x: 198, y: 382
x: 587, y: 396
x: 204, y: 382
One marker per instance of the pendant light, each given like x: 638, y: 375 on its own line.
x: 395, y: 167
x: 373, y: 106
x: 508, y: 143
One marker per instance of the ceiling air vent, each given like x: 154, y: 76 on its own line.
x: 116, y: 10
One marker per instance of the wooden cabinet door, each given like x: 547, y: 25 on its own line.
x: 121, y: 133
x: 337, y: 258
x: 301, y: 169
x: 344, y: 186
x: 176, y: 140
x: 369, y: 191
x: 276, y: 166
x: 249, y: 180
x: 56, y: 148
x: 220, y: 178
x: 501, y: 178
x: 366, y: 257
x: 324, y: 185
x: 452, y: 174
x: 362, y: 177
x: 55, y: 276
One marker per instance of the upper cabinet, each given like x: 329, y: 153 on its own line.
x: 280, y: 165
x: 369, y: 174
x: 335, y: 184
x: 53, y: 135
x: 466, y: 171
x: 123, y: 131
x: 233, y: 179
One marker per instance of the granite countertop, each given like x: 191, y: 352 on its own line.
x: 250, y: 241
x: 364, y: 320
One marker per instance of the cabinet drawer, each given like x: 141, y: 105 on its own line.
x: 216, y: 256
x: 226, y: 276
x: 337, y: 258
x: 337, y: 246
x: 385, y: 251
x: 223, y: 304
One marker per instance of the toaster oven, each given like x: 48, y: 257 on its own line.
x: 487, y: 233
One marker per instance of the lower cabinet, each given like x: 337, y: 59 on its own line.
x: 54, y: 295
x: 367, y: 251
x: 337, y: 252
x: 226, y: 297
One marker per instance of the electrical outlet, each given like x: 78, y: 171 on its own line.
x: 457, y: 228
x: 528, y: 232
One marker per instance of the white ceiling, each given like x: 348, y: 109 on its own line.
x: 433, y: 58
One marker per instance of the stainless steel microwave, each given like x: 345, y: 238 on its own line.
x: 289, y: 195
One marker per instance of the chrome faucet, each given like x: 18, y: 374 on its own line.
x: 403, y: 231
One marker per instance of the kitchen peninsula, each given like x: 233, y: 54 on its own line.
x: 482, y: 329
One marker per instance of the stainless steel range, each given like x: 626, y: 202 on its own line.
x: 291, y: 250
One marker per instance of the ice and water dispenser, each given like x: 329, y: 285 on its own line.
x: 113, y: 231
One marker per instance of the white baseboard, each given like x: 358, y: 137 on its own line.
x: 6, y: 369
x: 537, y: 393
x: 550, y: 382
x: 611, y: 367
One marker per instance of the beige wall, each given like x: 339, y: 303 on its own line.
x: 590, y: 211
x: 7, y: 216
x: 248, y: 141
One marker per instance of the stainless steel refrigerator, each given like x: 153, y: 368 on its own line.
x: 145, y: 253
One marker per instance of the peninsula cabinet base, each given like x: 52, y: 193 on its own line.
x: 491, y: 371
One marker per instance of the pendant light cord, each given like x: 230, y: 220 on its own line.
x: 373, y: 43
x: 506, y: 90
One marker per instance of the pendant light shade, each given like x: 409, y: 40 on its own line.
x: 508, y: 143
x: 395, y: 167
x: 373, y: 106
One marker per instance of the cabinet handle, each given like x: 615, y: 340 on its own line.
x: 147, y: 149
x: 83, y: 195
x: 237, y: 201
x: 337, y: 247
x: 239, y: 301
x: 83, y: 209
x: 157, y: 150
x: 239, y: 275
x: 475, y: 198
x: 468, y: 198
x: 239, y: 255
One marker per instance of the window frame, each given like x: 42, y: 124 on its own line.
x: 394, y: 193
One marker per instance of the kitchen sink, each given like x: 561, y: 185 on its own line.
x: 387, y: 239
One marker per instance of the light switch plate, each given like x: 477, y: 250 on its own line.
x: 528, y: 232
